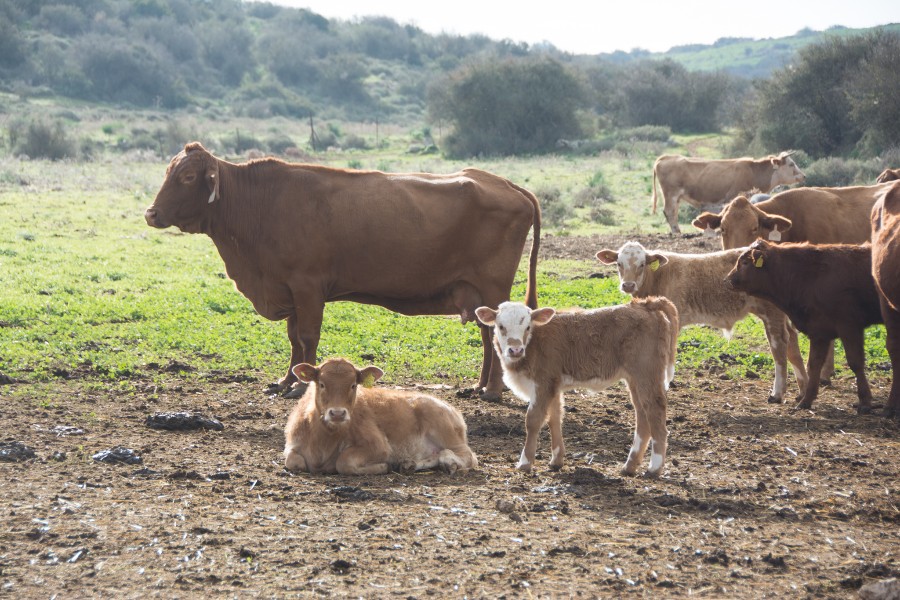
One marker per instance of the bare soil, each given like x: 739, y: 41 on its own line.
x: 758, y: 500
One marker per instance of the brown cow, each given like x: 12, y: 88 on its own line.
x: 826, y: 290
x: 886, y: 271
x: 295, y: 236
x: 695, y: 285
x: 888, y: 175
x: 336, y: 427
x: 701, y: 182
x: 544, y: 353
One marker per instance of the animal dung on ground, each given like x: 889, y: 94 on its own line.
x: 15, y: 452
x: 182, y: 421
x: 118, y: 455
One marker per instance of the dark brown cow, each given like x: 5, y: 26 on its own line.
x: 827, y: 291
x: 886, y: 271
x: 888, y: 175
x: 701, y: 182
x: 295, y: 236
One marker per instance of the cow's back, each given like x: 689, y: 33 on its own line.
x: 824, y: 215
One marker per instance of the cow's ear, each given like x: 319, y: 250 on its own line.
x: 486, y: 315
x: 368, y: 376
x: 778, y: 161
x: 770, y: 222
x: 707, y: 221
x: 542, y: 316
x: 655, y: 261
x: 212, y: 182
x: 608, y: 257
x: 305, y: 372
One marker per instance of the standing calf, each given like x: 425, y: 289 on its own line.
x: 826, y: 290
x: 544, y: 353
x: 338, y: 428
x: 695, y: 285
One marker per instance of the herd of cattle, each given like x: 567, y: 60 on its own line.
x: 295, y: 236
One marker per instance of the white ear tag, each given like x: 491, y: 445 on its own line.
x: 709, y: 232
x: 775, y: 235
x: 213, y: 197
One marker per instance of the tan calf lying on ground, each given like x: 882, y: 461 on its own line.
x: 695, y: 283
x: 340, y: 426
x: 544, y: 353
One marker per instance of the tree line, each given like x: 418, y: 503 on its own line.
x: 839, y: 96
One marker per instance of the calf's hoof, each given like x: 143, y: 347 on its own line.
x: 775, y: 400
x: 653, y: 474
x: 864, y: 409
x: 296, y: 390
x: 628, y: 471
x: 525, y: 467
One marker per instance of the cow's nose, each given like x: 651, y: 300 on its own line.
x: 628, y: 287
x: 516, y: 351
x: 337, y: 414
x: 150, y: 216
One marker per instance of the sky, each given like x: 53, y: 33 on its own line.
x: 601, y: 26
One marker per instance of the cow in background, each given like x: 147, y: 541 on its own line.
x: 888, y: 175
x: 827, y: 291
x: 886, y: 271
x: 702, y: 182
x: 295, y: 236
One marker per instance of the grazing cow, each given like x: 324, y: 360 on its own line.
x: 826, y: 290
x: 886, y: 271
x: 695, y: 285
x: 336, y: 427
x: 544, y: 353
x: 701, y: 182
x: 817, y: 215
x: 295, y: 236
x: 888, y: 175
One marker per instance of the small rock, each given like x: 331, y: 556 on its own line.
x: 340, y: 566
x: 182, y: 421
x: 15, y: 452
x: 886, y: 589
x: 118, y: 455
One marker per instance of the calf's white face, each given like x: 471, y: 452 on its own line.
x: 633, y: 261
x: 513, y: 323
x: 336, y: 382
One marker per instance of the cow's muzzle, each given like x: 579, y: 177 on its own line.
x: 152, y: 218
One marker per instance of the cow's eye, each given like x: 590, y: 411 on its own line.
x: 502, y: 329
x: 189, y: 178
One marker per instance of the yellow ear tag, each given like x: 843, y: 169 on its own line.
x: 369, y: 381
x: 758, y: 263
x: 654, y: 265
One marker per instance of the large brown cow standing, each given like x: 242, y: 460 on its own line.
x: 295, y: 236
x: 886, y: 270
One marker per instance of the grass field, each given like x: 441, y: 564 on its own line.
x: 89, y: 291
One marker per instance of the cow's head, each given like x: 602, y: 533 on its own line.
x: 191, y: 185
x: 785, y: 171
x: 635, y: 264
x: 513, y: 323
x: 750, y: 273
x: 742, y: 222
x: 886, y: 212
x: 336, y: 382
x: 888, y: 175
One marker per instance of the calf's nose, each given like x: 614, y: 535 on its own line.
x: 628, y: 287
x: 337, y: 414
x: 516, y: 351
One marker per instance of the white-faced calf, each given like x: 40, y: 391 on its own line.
x: 340, y: 425
x: 544, y: 353
x: 695, y: 283
x: 827, y: 291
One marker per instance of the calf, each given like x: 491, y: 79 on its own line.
x: 338, y: 428
x: 695, y: 285
x: 544, y: 353
x: 826, y: 290
x: 885, y: 266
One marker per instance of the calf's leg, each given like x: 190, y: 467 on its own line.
x: 892, y: 325
x: 362, y: 461
x: 776, y: 333
x: 535, y: 417
x: 818, y: 350
x: 856, y: 358
x: 557, y: 445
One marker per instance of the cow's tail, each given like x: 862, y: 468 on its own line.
x: 531, y: 287
x: 655, y: 166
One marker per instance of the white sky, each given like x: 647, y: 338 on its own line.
x: 596, y: 26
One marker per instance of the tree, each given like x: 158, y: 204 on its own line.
x: 517, y: 106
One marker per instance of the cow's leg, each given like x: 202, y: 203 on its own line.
x: 304, y: 328
x: 854, y: 343
x: 777, y: 335
x: 557, y: 445
x: 490, y: 383
x: 642, y: 433
x: 795, y: 358
x: 818, y: 350
x: 828, y: 365
x: 535, y: 417
x: 892, y: 325
x: 671, y: 210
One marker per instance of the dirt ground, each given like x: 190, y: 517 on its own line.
x: 758, y: 501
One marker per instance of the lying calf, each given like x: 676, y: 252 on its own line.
x: 336, y: 427
x: 695, y: 285
x: 826, y: 290
x: 544, y: 353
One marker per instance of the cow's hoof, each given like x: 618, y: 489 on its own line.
x: 524, y: 467
x: 803, y: 406
x: 491, y: 396
x: 555, y: 467
x: 825, y: 382
x: 775, y: 400
x: 273, y: 388
x: 296, y: 390
x: 653, y: 474
x: 864, y: 409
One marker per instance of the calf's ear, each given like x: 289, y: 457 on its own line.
x: 486, y: 314
x: 542, y: 316
x: 368, y: 376
x: 656, y: 261
x: 707, y: 220
x: 305, y: 372
x: 608, y: 257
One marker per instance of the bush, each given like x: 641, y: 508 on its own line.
x: 838, y: 172
x: 44, y: 140
x: 554, y: 211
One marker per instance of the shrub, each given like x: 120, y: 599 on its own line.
x: 837, y: 172
x: 554, y: 211
x: 45, y: 140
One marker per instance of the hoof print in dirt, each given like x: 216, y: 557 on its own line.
x: 15, y: 452
x: 349, y: 492
x: 118, y: 455
x: 182, y: 421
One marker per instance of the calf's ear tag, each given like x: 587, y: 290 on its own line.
x: 775, y: 235
x: 758, y: 263
x: 368, y: 381
x: 654, y: 265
